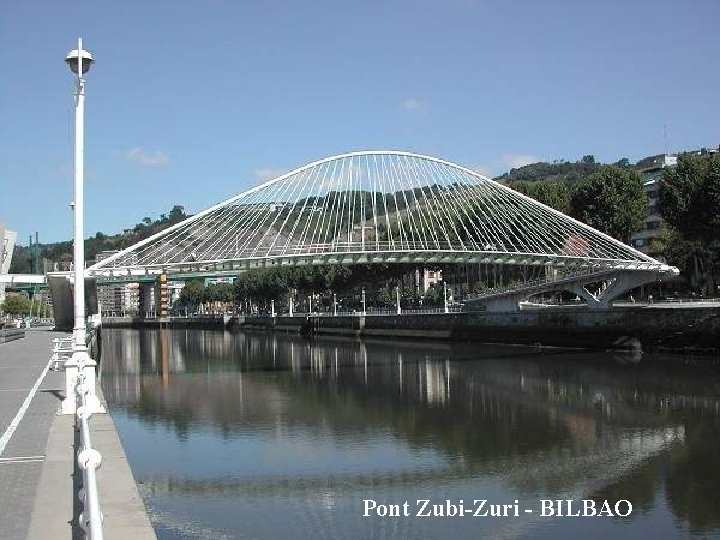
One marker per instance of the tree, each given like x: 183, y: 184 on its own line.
x: 689, y: 203
x: 16, y: 304
x: 192, y: 293
x: 690, y: 197
x: 549, y: 192
x: 20, y: 263
x: 177, y: 214
x: 612, y: 200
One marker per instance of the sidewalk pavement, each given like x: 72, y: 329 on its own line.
x: 38, y: 490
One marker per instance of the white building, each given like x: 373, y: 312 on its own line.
x: 7, y: 246
x: 652, y: 177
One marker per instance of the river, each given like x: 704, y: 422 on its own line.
x: 259, y: 435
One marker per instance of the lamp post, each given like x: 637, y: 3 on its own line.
x: 79, y: 62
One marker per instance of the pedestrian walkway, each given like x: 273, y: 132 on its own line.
x: 29, y: 398
x: 38, y: 498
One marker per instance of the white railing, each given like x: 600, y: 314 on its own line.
x: 89, y: 460
x: 371, y: 311
x: 62, y: 350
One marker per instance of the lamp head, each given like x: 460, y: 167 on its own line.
x: 74, y: 59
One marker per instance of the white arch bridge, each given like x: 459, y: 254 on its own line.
x: 380, y: 207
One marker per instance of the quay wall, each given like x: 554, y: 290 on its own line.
x: 647, y: 327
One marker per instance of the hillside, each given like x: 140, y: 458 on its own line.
x: 62, y: 251
x: 562, y: 171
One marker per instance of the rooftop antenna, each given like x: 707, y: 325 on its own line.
x: 665, y: 138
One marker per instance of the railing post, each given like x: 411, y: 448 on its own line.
x: 80, y: 367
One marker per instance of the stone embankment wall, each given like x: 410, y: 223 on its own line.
x: 649, y: 328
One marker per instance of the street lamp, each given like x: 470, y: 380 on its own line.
x: 79, y: 62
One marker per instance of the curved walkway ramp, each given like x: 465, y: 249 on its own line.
x: 612, y: 283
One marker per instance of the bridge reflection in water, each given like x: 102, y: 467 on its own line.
x: 269, y: 436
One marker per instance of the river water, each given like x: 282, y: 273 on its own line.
x: 255, y: 435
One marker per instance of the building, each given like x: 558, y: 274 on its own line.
x: 117, y: 299
x: 7, y: 247
x: 651, y: 174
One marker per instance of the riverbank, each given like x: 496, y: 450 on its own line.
x: 650, y: 328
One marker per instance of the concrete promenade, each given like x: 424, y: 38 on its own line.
x: 38, y: 498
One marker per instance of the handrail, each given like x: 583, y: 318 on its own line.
x: 62, y: 351
x: 89, y: 460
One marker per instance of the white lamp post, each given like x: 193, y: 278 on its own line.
x: 79, y: 61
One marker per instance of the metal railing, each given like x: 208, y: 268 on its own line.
x: 371, y: 311
x: 62, y: 350
x: 89, y: 460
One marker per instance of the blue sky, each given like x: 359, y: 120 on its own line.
x: 191, y: 102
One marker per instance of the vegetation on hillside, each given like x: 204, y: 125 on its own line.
x: 22, y: 262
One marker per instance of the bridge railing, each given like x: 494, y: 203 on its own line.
x: 89, y: 460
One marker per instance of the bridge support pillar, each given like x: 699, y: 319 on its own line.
x: 62, y: 293
x: 161, y: 295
